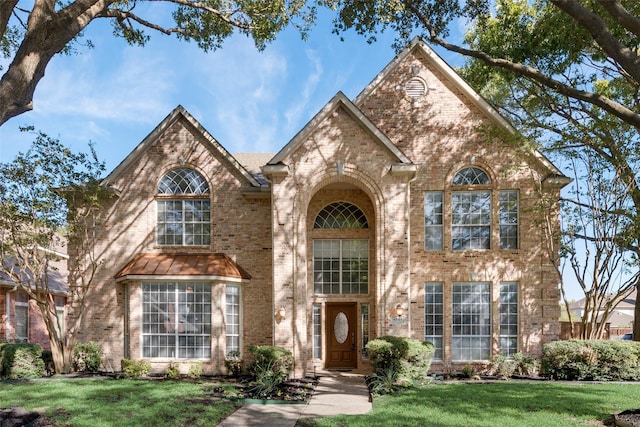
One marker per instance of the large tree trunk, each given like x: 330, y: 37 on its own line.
x: 46, y: 35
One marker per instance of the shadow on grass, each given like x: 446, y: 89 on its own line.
x: 536, y: 404
x: 118, y: 402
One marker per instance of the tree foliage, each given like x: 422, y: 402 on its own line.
x: 564, y: 72
x: 33, y: 33
x: 46, y: 194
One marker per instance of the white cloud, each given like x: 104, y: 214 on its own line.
x: 301, y: 104
x: 94, y: 89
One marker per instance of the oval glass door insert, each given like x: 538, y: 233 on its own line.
x: 341, y: 327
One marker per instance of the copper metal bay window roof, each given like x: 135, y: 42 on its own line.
x: 182, y: 266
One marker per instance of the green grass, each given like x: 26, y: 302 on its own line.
x: 517, y: 403
x: 108, y: 402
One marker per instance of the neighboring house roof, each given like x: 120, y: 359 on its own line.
x: 215, y: 266
x: 467, y: 91
x: 340, y: 100
x: 56, y: 277
x: 627, y: 303
x: 178, y: 113
x: 618, y: 319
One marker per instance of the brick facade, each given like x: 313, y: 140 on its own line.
x: 37, y: 330
x: 380, y: 152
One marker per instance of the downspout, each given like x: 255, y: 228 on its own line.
x: 126, y: 321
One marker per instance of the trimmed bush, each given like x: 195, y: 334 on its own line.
x: 409, y: 358
x: 173, y: 371
x: 516, y: 364
x: 135, y: 368
x: 87, y: 357
x: 195, y: 370
x: 21, y: 361
x: 594, y: 360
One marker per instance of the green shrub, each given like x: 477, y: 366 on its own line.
x: 271, y: 358
x: 409, y: 358
x: 173, y: 371
x: 135, y: 368
x: 525, y: 365
x: 383, y: 381
x: 591, y: 360
x: 500, y: 366
x: 271, y: 367
x: 516, y: 364
x: 195, y: 370
x: 87, y: 357
x: 21, y: 361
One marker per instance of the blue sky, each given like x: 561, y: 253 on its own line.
x: 250, y: 101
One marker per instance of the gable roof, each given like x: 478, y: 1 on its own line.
x: 454, y: 78
x: 340, y: 100
x: 178, y: 113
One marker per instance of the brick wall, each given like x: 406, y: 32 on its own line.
x: 272, y: 237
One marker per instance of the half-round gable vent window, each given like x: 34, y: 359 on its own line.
x: 183, y: 181
x: 341, y: 215
x: 471, y: 176
x: 415, y: 88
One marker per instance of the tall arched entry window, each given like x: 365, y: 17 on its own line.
x: 341, y: 266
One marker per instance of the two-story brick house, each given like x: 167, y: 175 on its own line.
x: 393, y: 213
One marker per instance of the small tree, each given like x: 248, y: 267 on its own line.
x: 35, y: 190
x: 597, y: 234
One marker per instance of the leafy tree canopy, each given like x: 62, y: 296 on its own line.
x: 32, y: 32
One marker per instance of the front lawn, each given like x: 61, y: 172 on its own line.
x: 509, y: 403
x: 108, y: 402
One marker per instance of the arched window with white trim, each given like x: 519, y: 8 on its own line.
x: 184, y: 209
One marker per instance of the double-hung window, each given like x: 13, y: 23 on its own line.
x: 184, y: 209
x: 433, y: 226
x: 471, y: 321
x: 434, y: 317
x: 232, y: 318
x: 509, y: 219
x: 21, y: 317
x: 508, y: 318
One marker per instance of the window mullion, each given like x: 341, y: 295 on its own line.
x: 340, y: 267
x: 176, y: 321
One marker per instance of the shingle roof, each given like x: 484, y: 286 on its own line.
x: 56, y: 277
x: 215, y: 265
x: 252, y: 162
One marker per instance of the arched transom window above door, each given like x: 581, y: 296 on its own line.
x: 341, y: 215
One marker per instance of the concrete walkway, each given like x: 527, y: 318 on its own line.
x: 336, y: 393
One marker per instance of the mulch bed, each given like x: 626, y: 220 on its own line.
x: 629, y: 418
x: 297, y: 390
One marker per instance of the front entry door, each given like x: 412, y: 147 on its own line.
x: 341, y: 335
